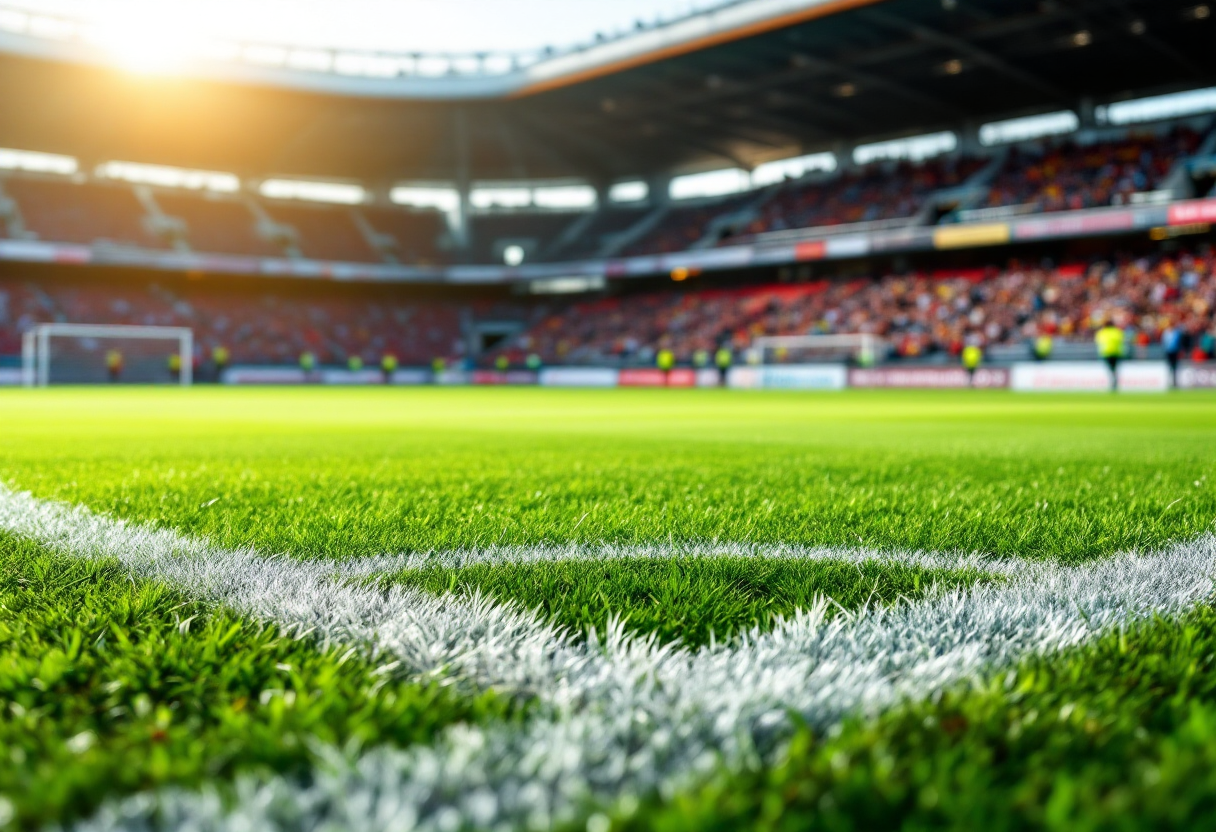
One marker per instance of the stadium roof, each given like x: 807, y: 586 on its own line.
x: 816, y: 75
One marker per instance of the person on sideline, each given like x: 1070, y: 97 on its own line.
x: 388, y: 366
x: 665, y: 360
x: 219, y: 357
x: 723, y: 359
x: 1171, y: 344
x: 973, y: 354
x: 1109, y: 340
x: 114, y: 365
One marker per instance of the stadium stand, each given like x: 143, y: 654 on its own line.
x: 685, y: 225
x: 1065, y: 175
x: 534, y: 231
x: 920, y: 315
x: 86, y: 213
x: 258, y: 323
x: 609, y: 220
x: 413, y: 235
x: 876, y: 192
x: 325, y: 232
x: 218, y: 225
x: 1044, y: 175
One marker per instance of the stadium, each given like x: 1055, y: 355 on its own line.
x: 641, y: 415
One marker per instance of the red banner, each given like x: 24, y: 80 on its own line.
x: 649, y: 377
x: 1196, y: 211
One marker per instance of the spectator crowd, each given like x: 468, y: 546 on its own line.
x: 917, y: 315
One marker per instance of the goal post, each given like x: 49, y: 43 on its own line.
x: 114, y: 353
x: 863, y: 347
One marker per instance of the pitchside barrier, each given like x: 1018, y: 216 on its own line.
x: 1090, y: 376
x: 1048, y: 376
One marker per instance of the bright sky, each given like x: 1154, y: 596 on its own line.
x: 406, y: 25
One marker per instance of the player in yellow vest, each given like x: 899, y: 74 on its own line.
x: 175, y: 366
x: 1109, y: 340
x: 388, y: 366
x: 219, y: 358
x: 972, y: 356
x: 113, y: 365
x: 723, y: 358
x: 1042, y: 347
x: 665, y: 360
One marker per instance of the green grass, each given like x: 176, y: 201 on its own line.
x: 1120, y: 735
x: 686, y: 599
x: 357, y: 472
x: 128, y: 698
x: 110, y: 686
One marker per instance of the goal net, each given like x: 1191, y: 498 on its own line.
x: 862, y: 348
x: 107, y: 354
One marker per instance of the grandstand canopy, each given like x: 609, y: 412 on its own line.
x: 852, y: 70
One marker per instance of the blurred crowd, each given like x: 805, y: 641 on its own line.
x: 877, y: 192
x: 250, y: 324
x: 1067, y: 176
x: 917, y: 315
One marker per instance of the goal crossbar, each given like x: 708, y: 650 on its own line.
x: 36, y: 346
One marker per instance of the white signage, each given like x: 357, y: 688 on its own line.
x: 789, y: 377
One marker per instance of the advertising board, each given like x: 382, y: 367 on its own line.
x: 263, y: 375
x: 1193, y: 211
x: 1197, y: 376
x: 789, y: 377
x: 1089, y: 376
x: 928, y: 377
x: 649, y: 377
x: 411, y: 375
x: 352, y: 377
x: 578, y: 377
x: 498, y: 377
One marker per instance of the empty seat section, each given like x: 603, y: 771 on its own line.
x: 326, y: 233
x: 417, y: 233
x: 607, y: 221
x: 68, y: 212
x: 492, y: 231
x: 218, y: 226
x: 684, y: 225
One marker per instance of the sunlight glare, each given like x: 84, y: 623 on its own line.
x: 143, y: 38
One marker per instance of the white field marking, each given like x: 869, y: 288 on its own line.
x: 615, y: 717
x: 553, y: 552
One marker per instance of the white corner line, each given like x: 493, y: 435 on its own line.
x: 616, y: 716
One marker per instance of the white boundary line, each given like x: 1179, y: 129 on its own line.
x: 552, y: 552
x: 616, y: 717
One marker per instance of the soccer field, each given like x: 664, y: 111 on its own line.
x: 496, y: 608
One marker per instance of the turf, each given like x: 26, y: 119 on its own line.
x: 342, y: 473
x: 1117, y: 735
x: 690, y: 600
x: 128, y: 696
x: 111, y: 686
